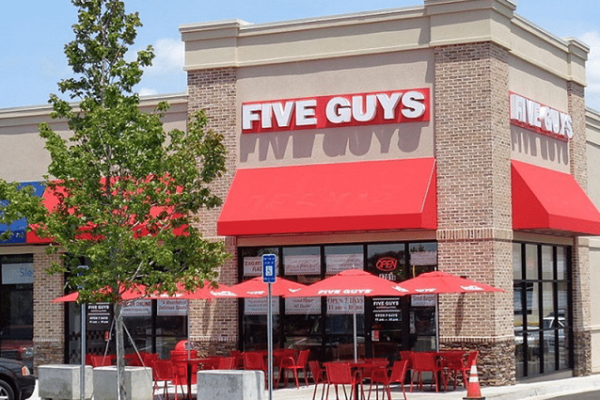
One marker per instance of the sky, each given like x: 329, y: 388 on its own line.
x: 34, y: 32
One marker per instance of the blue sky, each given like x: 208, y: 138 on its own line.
x: 33, y: 34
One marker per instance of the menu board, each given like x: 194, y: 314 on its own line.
x: 99, y: 316
x: 386, y: 309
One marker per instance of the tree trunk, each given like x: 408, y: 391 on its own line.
x: 118, y: 311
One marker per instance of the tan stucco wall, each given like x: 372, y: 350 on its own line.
x: 593, y: 155
x: 22, y: 154
x: 394, y: 71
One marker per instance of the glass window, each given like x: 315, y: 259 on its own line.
x: 16, y: 308
x: 531, y: 261
x: 547, y: 263
x: 517, y: 262
x: 541, y: 310
x: 387, y: 260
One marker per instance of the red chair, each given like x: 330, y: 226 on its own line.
x: 319, y: 376
x: 426, y: 362
x: 226, y: 363
x: 397, y: 374
x: 162, y: 371
x: 134, y: 360
x: 149, y: 358
x: 180, y: 377
x: 254, y: 361
x: 289, y: 364
x: 100, y: 361
x: 339, y: 373
x: 458, y: 368
x: 407, y: 355
x: 239, y: 360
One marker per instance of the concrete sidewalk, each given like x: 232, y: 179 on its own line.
x: 538, y: 391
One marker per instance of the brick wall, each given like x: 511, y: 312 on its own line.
x: 214, y: 324
x: 48, y: 317
x: 474, y: 201
x: 580, y: 257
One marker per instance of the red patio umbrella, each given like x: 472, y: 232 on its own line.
x: 352, y: 282
x: 137, y: 292
x: 439, y: 282
x: 207, y: 292
x: 256, y: 288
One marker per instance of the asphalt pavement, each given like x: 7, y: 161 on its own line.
x: 538, y: 390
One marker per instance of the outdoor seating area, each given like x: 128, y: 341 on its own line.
x: 348, y: 379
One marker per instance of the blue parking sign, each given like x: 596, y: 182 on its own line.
x: 268, y: 268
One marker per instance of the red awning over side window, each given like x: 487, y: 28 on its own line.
x: 370, y: 195
x: 543, y: 199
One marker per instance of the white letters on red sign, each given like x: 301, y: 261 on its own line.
x: 336, y: 111
x: 542, y: 119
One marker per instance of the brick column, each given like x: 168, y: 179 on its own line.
x: 214, y: 324
x: 48, y: 317
x: 582, y: 335
x: 474, y: 201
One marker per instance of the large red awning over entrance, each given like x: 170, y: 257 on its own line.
x: 357, y: 196
x: 547, y: 200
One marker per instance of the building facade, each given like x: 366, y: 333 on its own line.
x: 450, y: 136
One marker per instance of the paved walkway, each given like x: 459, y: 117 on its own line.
x: 538, y: 391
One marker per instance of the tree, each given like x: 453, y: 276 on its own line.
x: 129, y: 192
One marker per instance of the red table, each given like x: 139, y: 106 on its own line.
x: 189, y: 368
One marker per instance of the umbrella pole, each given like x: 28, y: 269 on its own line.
x: 354, y: 335
x: 83, y: 351
x: 437, y: 323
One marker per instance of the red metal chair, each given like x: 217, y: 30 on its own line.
x: 254, y: 361
x: 407, y: 355
x: 100, y: 361
x: 318, y: 375
x: 460, y: 369
x: 397, y: 374
x: 340, y: 373
x: 180, y: 377
x: 134, y: 360
x: 226, y: 363
x: 162, y: 371
x: 427, y: 362
x: 289, y: 364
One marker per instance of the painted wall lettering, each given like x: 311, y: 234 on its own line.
x: 540, y: 118
x: 336, y: 111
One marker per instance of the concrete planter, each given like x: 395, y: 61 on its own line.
x: 63, y: 381
x: 231, y: 385
x: 138, y: 383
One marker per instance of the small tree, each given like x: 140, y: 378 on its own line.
x: 128, y: 191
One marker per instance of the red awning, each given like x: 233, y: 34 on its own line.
x: 547, y: 200
x: 357, y: 196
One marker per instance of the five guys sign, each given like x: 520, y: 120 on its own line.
x: 336, y: 111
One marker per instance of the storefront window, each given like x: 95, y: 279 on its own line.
x: 325, y: 325
x: 541, y: 308
x: 16, y: 308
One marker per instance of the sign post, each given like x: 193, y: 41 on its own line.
x: 269, y: 275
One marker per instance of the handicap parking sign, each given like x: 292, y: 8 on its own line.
x: 268, y: 268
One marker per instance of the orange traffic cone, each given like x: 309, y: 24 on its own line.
x: 473, y: 389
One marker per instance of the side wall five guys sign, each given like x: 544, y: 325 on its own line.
x: 342, y: 110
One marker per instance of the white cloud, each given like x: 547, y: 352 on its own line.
x: 592, y: 95
x: 147, y: 92
x: 169, y: 57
